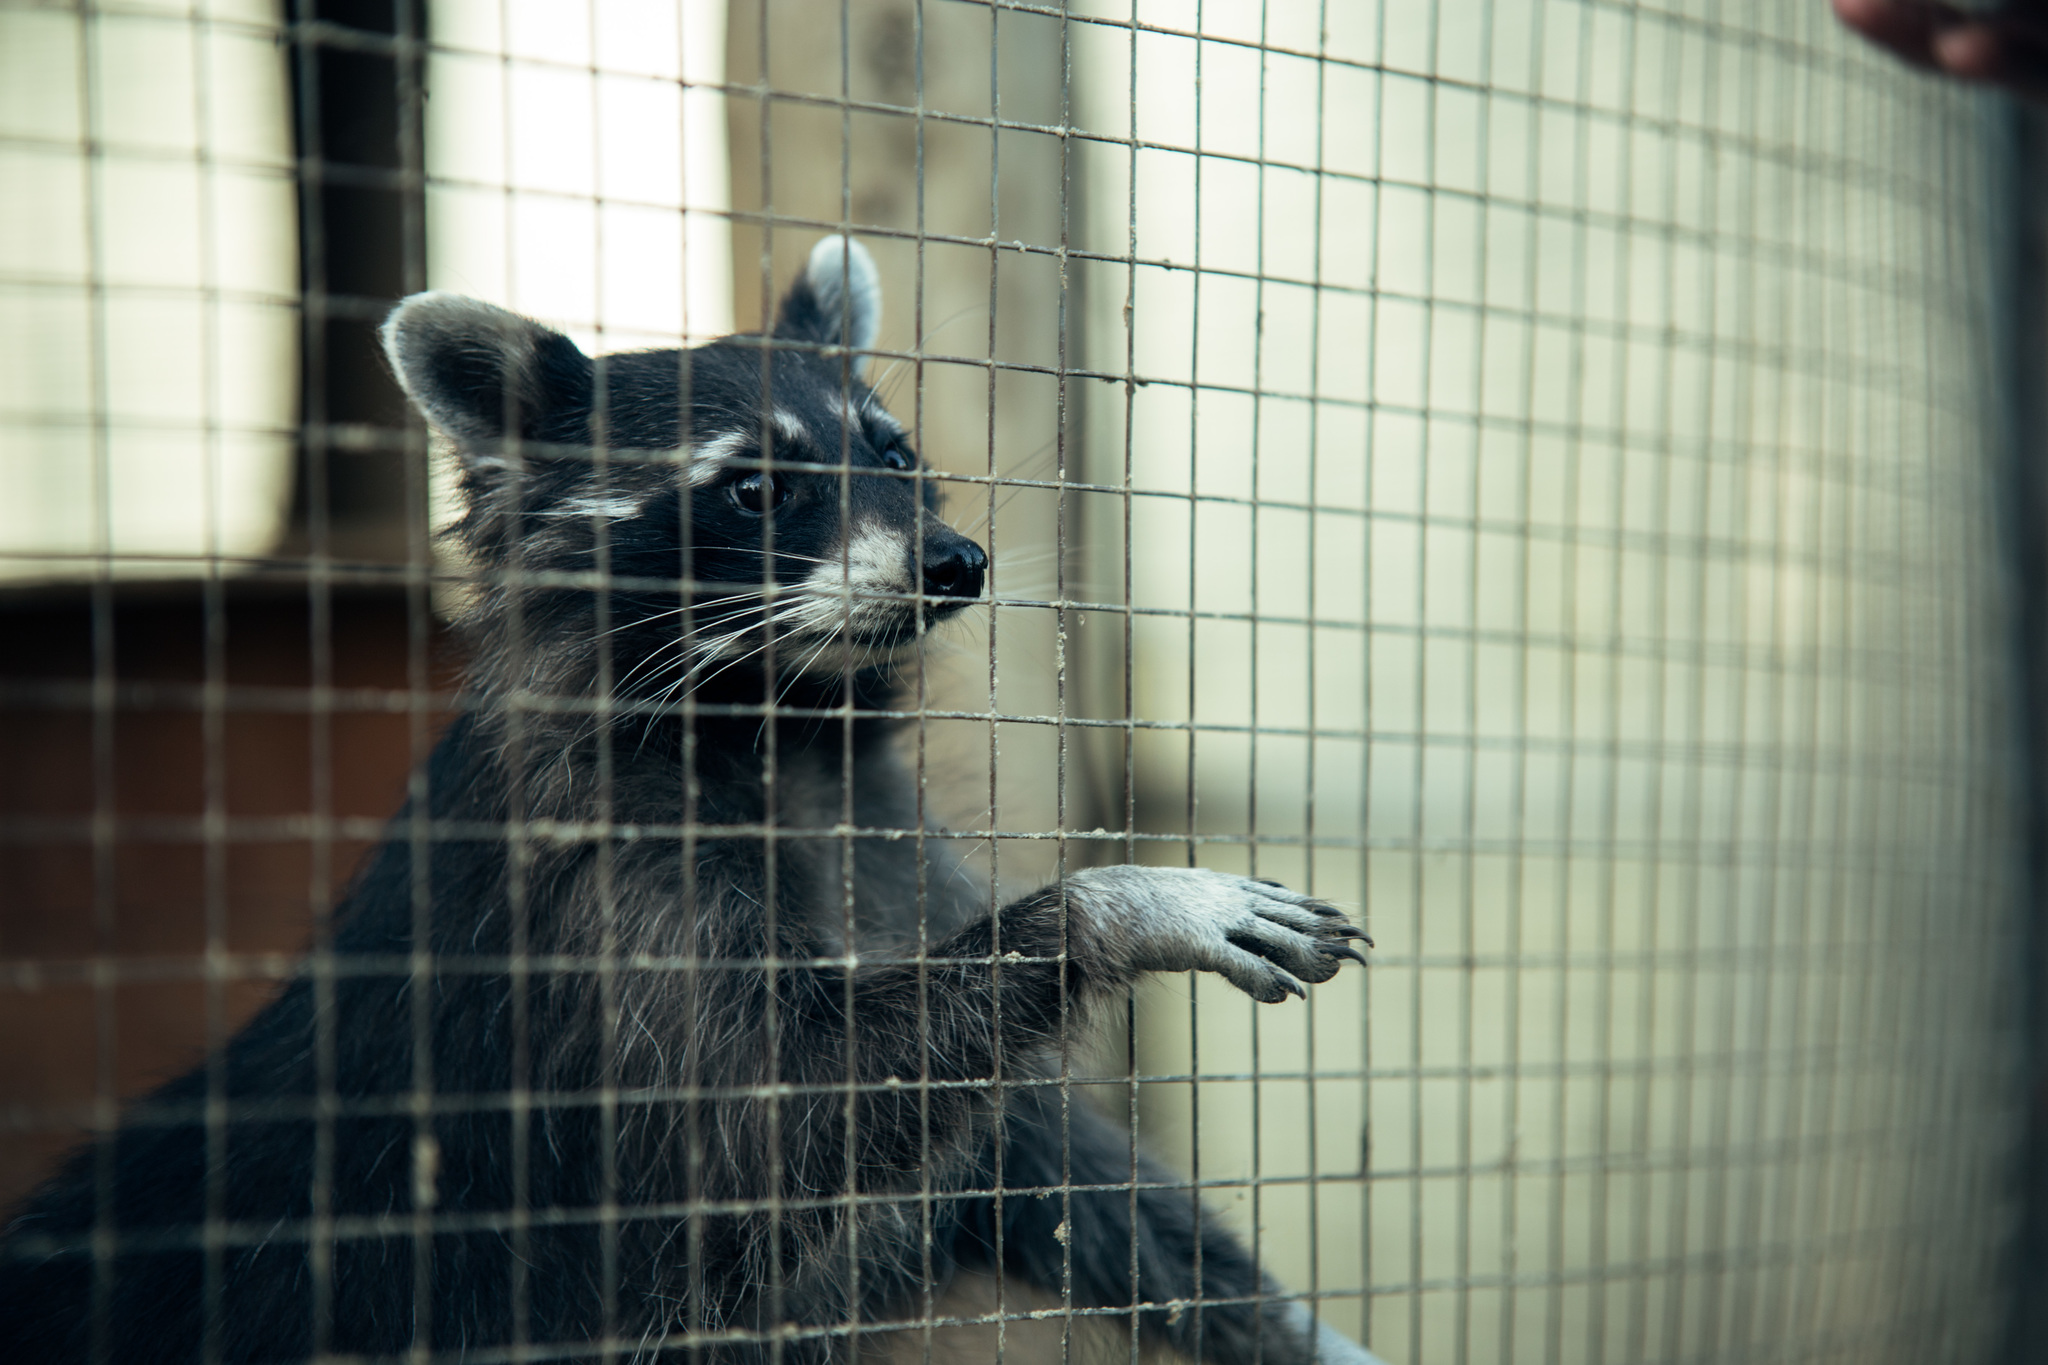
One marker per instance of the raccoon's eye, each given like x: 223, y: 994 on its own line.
x: 757, y: 494
x: 896, y: 457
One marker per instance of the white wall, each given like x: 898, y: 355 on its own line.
x: 1605, y: 451
x: 576, y: 173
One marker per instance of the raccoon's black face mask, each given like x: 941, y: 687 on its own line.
x: 753, y: 505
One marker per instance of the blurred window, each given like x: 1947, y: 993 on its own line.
x: 149, y: 282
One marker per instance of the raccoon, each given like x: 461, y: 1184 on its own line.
x: 644, y: 1033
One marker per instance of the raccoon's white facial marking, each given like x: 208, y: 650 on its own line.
x: 877, y: 560
x: 864, y: 413
x: 611, y: 506
x: 708, y: 461
x: 859, y: 413
x: 857, y: 598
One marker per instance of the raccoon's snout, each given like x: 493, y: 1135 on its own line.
x: 954, y: 567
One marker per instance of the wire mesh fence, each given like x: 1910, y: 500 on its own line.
x: 1525, y: 475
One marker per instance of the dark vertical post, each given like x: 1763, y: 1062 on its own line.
x: 357, y: 119
x: 2026, y: 526
x: 358, y: 85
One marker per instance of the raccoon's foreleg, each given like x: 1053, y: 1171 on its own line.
x: 984, y: 1001
x: 908, y: 1049
x: 925, y: 1042
x: 1079, y: 1222
x: 1078, y: 1216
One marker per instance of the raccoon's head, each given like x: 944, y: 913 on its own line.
x: 712, y: 514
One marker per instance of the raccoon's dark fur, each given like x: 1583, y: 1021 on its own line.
x: 575, y: 1078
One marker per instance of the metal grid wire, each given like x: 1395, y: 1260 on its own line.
x: 1527, y: 471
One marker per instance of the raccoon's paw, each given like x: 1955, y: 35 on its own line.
x: 1264, y: 939
x: 1327, y: 1345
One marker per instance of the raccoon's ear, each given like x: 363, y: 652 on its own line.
x: 837, y: 301
x: 481, y: 374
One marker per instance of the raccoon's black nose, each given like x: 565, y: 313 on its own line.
x: 954, y: 568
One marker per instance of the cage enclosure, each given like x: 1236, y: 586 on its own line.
x: 1537, y: 474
